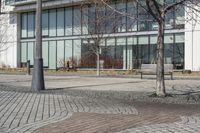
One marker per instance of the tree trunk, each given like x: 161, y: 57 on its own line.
x: 160, y: 82
x: 98, y: 64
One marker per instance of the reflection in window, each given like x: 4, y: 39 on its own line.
x: 77, y: 21
x: 45, y: 53
x: 23, y: 52
x: 52, y: 54
x: 68, y: 21
x: 24, y: 25
x: 143, y: 49
x: 179, y: 17
x: 68, y: 50
x: 45, y: 23
x: 60, y: 54
x: 143, y: 17
x: 131, y: 22
x: 52, y: 22
x: 77, y: 52
x: 60, y: 22
x: 31, y: 24
x: 31, y: 52
x: 121, y: 19
x: 85, y: 20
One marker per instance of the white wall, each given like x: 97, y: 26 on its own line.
x: 192, y: 41
x: 8, y: 37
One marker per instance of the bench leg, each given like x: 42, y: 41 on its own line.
x: 141, y: 75
x: 171, y: 76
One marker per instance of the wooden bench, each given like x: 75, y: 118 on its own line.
x: 150, y: 69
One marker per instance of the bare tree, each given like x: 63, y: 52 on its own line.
x: 158, y: 9
x: 99, y: 22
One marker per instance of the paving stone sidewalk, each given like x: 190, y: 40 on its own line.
x: 78, y: 104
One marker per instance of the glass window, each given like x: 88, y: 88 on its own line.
x: 180, y: 17
x: 153, y: 46
x: 52, y: 22
x: 45, y: 53
x: 121, y: 19
x: 143, y: 40
x: 60, y: 54
x: 131, y: 41
x: 132, y: 19
x: 31, y: 52
x: 23, y: 52
x: 110, y: 42
x: 92, y: 20
x: 168, y: 51
x: 45, y: 23
x: 110, y: 17
x: 68, y: 50
x: 31, y: 24
x: 85, y: 14
x: 52, y: 54
x: 143, y: 49
x: 77, y: 21
x: 24, y: 25
x: 169, y: 19
x: 121, y: 53
x: 77, y: 52
x: 143, y: 17
x: 169, y: 38
x: 60, y: 22
x: 180, y: 38
x: 68, y: 21
x: 179, y: 55
x: 153, y: 39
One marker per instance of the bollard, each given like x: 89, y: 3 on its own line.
x: 28, y: 67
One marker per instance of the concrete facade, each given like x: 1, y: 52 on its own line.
x: 8, y: 37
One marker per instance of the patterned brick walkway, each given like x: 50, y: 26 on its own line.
x: 65, y: 110
x: 25, y: 111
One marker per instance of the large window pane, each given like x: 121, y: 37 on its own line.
x: 109, y: 61
x: 31, y: 24
x: 24, y: 25
x: 121, y: 53
x: 143, y: 17
x: 45, y: 53
x: 60, y: 54
x: 68, y: 21
x: 121, y: 19
x: 92, y: 20
x: 68, y: 50
x: 60, y: 22
x: 132, y: 21
x: 31, y: 52
x: 77, y: 52
x: 52, y: 22
x: 179, y: 55
x: 180, y: 17
x: 85, y: 14
x: 143, y: 49
x: 45, y: 23
x: 77, y: 21
x: 153, y: 46
x: 52, y: 54
x: 23, y: 52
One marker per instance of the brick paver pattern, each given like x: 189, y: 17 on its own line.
x: 26, y: 111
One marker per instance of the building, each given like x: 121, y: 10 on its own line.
x: 126, y: 44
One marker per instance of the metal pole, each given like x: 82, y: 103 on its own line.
x: 38, y: 76
x: 28, y: 67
